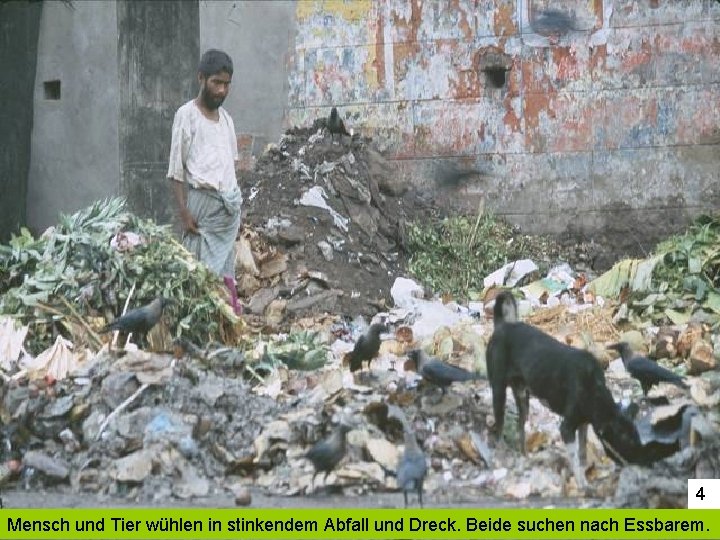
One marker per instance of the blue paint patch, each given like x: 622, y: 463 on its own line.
x: 348, y: 58
x: 640, y: 136
x: 665, y: 118
x: 311, y: 59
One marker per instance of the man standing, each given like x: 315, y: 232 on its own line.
x: 203, y: 153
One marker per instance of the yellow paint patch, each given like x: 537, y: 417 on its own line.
x: 350, y: 10
x: 371, y: 69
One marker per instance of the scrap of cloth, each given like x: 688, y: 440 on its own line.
x: 217, y: 214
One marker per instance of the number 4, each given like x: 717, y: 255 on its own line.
x: 700, y: 495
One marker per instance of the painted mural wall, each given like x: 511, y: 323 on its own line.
x: 576, y: 115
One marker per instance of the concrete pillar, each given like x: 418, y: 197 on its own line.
x: 19, y: 28
x: 158, y: 52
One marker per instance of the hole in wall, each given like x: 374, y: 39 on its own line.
x: 52, y: 90
x: 494, y: 64
x: 496, y: 76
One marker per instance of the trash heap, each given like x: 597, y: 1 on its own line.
x: 229, y: 415
x: 80, y: 274
x: 322, y: 227
x: 328, y: 225
x: 678, y: 284
x: 221, y: 421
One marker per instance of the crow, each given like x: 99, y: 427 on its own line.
x: 326, y: 454
x: 647, y: 372
x: 336, y: 125
x: 412, y: 468
x: 367, y: 346
x: 139, y: 321
x: 438, y: 372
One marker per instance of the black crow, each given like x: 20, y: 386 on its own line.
x: 326, y: 454
x: 367, y: 346
x: 336, y: 125
x: 139, y: 321
x: 646, y: 371
x: 438, y: 372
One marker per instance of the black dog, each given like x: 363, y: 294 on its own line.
x: 569, y: 381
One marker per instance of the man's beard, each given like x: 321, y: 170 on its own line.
x: 209, y: 101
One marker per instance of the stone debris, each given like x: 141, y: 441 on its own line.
x: 238, y: 416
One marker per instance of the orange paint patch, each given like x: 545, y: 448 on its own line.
x: 503, y: 22
x: 408, y: 28
x: 566, y: 63
x: 511, y: 120
x: 599, y: 14
x: 379, y: 61
x: 402, y: 54
x: 535, y: 105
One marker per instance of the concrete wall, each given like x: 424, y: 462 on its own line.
x: 612, y: 127
x: 74, y: 139
x: 258, y: 36
x: 158, y: 51
x: 19, y: 28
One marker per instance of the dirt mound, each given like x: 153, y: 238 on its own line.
x: 324, y: 221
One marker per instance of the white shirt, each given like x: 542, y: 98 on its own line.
x: 203, y: 152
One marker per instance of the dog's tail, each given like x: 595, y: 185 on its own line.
x: 505, y: 309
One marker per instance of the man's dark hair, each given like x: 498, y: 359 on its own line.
x: 214, y: 61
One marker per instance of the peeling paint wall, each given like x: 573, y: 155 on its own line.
x: 610, y: 125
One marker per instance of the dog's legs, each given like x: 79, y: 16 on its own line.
x: 499, y: 397
x: 522, y: 400
x: 582, y: 444
x: 567, y: 432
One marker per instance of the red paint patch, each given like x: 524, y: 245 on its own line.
x: 511, y: 120
x: 598, y: 59
x: 465, y: 85
x: 634, y: 59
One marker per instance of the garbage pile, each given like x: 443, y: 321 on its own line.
x: 231, y: 412
x: 678, y: 284
x: 220, y: 420
x: 328, y: 226
x: 87, y: 270
x: 323, y: 227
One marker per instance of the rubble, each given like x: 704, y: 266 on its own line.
x: 328, y: 208
x: 235, y: 407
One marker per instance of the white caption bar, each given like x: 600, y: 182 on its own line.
x: 704, y: 493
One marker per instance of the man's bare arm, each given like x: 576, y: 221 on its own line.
x: 188, y: 222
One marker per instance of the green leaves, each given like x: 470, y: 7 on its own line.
x: 301, y: 350
x: 455, y: 254
x: 75, y: 262
x: 680, y: 282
